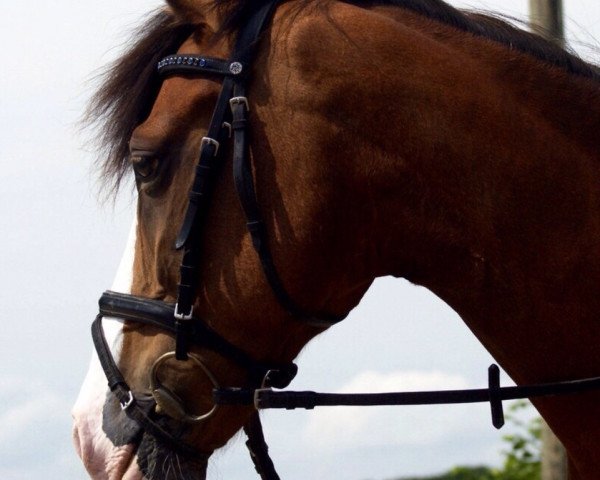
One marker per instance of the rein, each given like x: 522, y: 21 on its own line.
x: 266, y: 398
x: 229, y: 119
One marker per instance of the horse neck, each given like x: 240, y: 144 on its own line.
x: 450, y: 161
x: 459, y: 164
x: 490, y: 199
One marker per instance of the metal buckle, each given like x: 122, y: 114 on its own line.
x: 227, y: 125
x: 237, y: 100
x: 257, y: 394
x: 210, y: 141
x: 183, y: 316
x: 128, y: 403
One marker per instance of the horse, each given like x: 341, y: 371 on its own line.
x: 388, y: 137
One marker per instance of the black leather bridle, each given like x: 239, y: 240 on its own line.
x: 230, y: 120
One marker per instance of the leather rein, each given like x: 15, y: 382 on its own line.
x: 230, y: 120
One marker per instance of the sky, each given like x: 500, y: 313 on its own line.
x: 60, y: 247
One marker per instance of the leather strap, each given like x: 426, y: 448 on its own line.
x: 259, y: 450
x: 130, y: 404
x: 160, y: 314
x: 244, y: 184
x: 234, y: 85
x: 195, y: 64
x: 210, y: 155
x: 494, y: 394
x: 141, y: 408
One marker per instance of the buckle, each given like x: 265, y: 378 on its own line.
x: 280, y: 377
x: 210, y: 141
x: 183, y: 316
x: 259, y: 403
x: 237, y: 100
x: 128, y: 403
x: 227, y: 125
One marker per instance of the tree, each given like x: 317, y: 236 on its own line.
x: 522, y: 460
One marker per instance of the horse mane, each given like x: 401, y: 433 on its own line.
x: 130, y: 84
x: 492, y: 27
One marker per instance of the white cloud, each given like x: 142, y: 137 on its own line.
x: 348, y: 427
x: 372, y: 381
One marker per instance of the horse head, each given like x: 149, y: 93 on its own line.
x: 231, y: 294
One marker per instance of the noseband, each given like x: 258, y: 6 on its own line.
x: 230, y: 120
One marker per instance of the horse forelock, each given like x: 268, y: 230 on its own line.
x: 128, y: 88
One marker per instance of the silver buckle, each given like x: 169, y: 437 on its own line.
x: 210, y: 141
x: 183, y: 316
x: 227, y: 125
x: 237, y: 100
x: 128, y: 403
x: 257, y: 393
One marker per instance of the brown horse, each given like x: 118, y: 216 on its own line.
x: 392, y: 137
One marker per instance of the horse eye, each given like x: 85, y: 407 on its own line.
x: 145, y: 165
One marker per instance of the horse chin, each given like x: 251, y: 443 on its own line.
x: 149, y: 458
x: 159, y: 463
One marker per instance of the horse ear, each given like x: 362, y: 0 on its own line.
x: 192, y: 11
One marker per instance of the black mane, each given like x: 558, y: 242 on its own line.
x: 131, y: 84
x: 486, y: 26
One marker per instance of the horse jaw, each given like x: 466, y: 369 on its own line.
x: 101, y: 458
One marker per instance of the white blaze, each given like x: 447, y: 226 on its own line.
x: 101, y: 458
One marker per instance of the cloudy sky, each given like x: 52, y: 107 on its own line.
x: 59, y: 249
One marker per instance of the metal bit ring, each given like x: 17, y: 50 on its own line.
x: 167, y: 402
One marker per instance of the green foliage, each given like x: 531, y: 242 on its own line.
x: 463, y: 473
x: 521, y: 456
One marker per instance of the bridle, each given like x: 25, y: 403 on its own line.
x: 229, y: 119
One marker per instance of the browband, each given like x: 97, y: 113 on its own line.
x: 199, y: 64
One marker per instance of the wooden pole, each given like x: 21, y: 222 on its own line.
x: 554, y: 457
x: 546, y: 18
